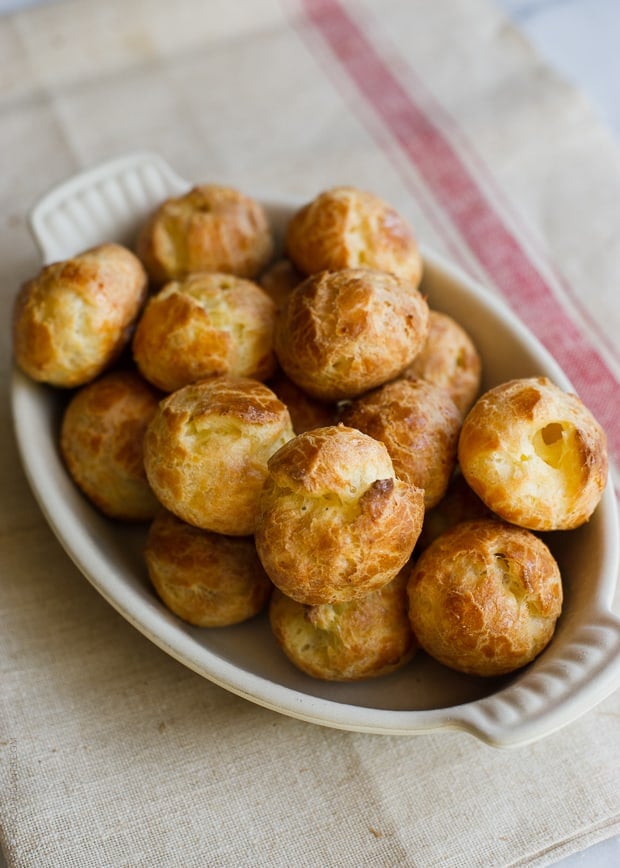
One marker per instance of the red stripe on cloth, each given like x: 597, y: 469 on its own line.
x: 498, y: 250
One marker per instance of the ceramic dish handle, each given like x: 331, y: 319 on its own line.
x: 585, y: 674
x: 109, y: 201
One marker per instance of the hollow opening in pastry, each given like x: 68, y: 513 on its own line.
x: 550, y: 443
x: 461, y: 360
x: 323, y: 617
x: 511, y: 580
x: 359, y: 236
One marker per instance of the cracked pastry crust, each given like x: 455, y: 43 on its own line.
x: 448, y: 359
x: 207, y: 579
x: 207, y: 447
x: 101, y: 438
x: 209, y: 228
x: 345, y: 332
x: 334, y: 522
x: 534, y: 454
x: 363, y: 638
x: 208, y: 324
x: 345, y: 227
x: 419, y: 424
x: 484, y: 597
x: 73, y: 319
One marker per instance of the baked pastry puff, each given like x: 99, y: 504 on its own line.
x: 209, y: 228
x: 342, y: 333
x: 207, y: 324
x: 73, y: 319
x: 206, y: 451
x: 419, y: 424
x: 345, y: 227
x: 207, y: 579
x: 534, y: 454
x: 448, y: 359
x: 101, y: 439
x: 279, y: 280
x: 363, y: 638
x: 458, y: 504
x: 306, y: 412
x: 334, y: 522
x: 484, y: 597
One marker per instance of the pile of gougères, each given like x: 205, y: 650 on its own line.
x: 304, y: 434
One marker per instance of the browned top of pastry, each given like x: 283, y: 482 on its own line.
x: 101, y: 443
x: 484, y: 597
x: 334, y: 522
x: 419, y: 423
x: 72, y: 319
x: 363, y: 638
x: 342, y: 333
x: 345, y: 227
x: 208, y: 324
x: 210, y: 228
x: 208, y: 579
x: 206, y: 451
x: 534, y: 454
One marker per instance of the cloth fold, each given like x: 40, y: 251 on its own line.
x: 115, y: 754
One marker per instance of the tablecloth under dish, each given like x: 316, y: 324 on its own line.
x: 113, y: 754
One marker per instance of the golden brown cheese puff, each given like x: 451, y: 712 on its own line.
x: 208, y: 324
x: 73, y: 319
x: 101, y: 440
x: 207, y: 447
x: 306, y: 412
x: 534, y: 454
x: 334, y: 523
x: 207, y: 579
x: 279, y: 280
x: 419, y: 423
x: 342, y: 333
x: 348, y: 228
x: 448, y: 359
x: 458, y: 504
x: 210, y: 228
x: 362, y: 638
x: 484, y: 598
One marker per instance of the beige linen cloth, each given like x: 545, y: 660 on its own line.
x: 113, y: 754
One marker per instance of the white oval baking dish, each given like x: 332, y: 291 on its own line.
x: 578, y: 669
